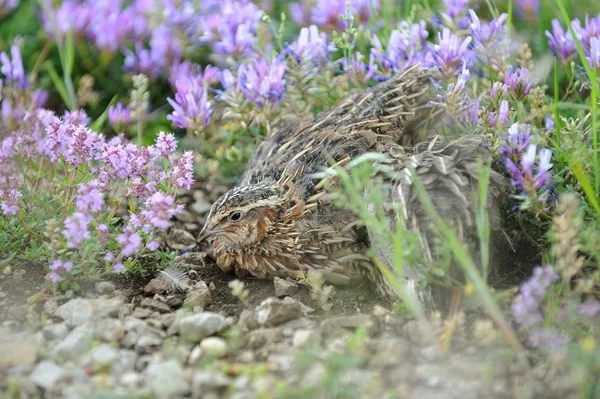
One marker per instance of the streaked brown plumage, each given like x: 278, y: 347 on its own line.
x: 276, y: 223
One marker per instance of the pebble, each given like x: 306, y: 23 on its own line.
x: 155, y: 286
x: 205, y: 382
x: 156, y: 305
x: 166, y: 379
x: 273, y: 311
x: 110, y: 330
x: 55, y: 331
x: 303, y: 338
x: 179, y: 239
x: 79, y: 311
x: 199, y: 295
x: 104, y: 355
x: 75, y: 344
x: 105, y: 287
x: 285, y: 287
x: 142, y: 313
x: 193, y: 328
x: 47, y: 374
x: 147, y: 341
x: 213, y: 347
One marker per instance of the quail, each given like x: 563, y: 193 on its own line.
x: 277, y: 223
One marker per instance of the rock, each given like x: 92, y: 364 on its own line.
x: 50, y: 307
x: 198, y: 295
x: 194, y: 260
x: 193, y: 328
x: 179, y: 239
x: 166, y: 379
x: 105, y: 287
x: 18, y: 274
x: 167, y: 319
x: 285, y: 287
x: 104, y: 355
x: 305, y: 308
x: 175, y: 301
x: 261, y: 337
x: 205, y: 382
x: 75, y: 344
x: 79, y: 311
x: 130, y: 379
x: 124, y: 363
x: 155, y: 286
x: 33, y: 319
x: 213, y: 347
x: 273, y: 311
x: 201, y: 206
x: 76, y: 391
x: 185, y: 216
x: 47, y: 374
x: 142, y: 313
x: 247, y: 320
x: 55, y: 331
x: 110, y: 330
x: 156, y: 305
x: 304, y: 338
x: 195, y: 355
x: 147, y: 341
x: 17, y: 312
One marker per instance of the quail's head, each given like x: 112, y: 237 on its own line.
x: 242, y: 217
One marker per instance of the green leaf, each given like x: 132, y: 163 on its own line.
x: 59, y: 85
x: 69, y: 53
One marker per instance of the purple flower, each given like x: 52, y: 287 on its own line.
x: 549, y: 340
x: 59, y: 269
x: 485, y: 34
x: 164, y: 146
x: 130, y: 241
x: 594, y: 57
x: 517, y: 140
x: 7, y: 6
x: 9, y: 203
x: 454, y: 8
x: 181, y: 71
x: 119, y: 117
x: 159, y: 210
x: 358, y: 70
x: 191, y: 107
x: 530, y: 8
x: 90, y: 199
x: 518, y: 82
x: 13, y: 69
x: 326, y: 13
x: 118, y: 267
x: 590, y: 308
x: 527, y: 307
x: 263, y: 81
x: 181, y: 176
x: 103, y: 233
x: 153, y: 245
x: 312, y: 46
x: 84, y: 146
x: 527, y: 177
x: 76, y: 229
x: 502, y: 115
x: 451, y: 51
x: 561, y: 42
x: 406, y: 45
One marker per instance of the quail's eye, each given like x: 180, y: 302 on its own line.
x: 235, y: 216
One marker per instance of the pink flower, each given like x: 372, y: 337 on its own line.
x: 130, y: 241
x: 76, y: 229
x: 59, y: 269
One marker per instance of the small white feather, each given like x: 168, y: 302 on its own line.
x: 175, y: 278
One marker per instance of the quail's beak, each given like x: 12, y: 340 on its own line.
x: 207, y: 231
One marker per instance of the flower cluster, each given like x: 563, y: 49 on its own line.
x: 326, y: 13
x: 527, y: 309
x: 462, y: 109
x: 262, y: 81
x: 520, y: 155
x: 563, y: 45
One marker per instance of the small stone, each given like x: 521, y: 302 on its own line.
x: 205, y: 382
x: 105, y: 287
x: 304, y: 338
x: 18, y: 274
x: 327, y: 307
x: 167, y: 319
x: 50, y: 307
x: 213, y: 347
x: 212, y: 286
x: 142, y: 313
x: 179, y: 239
x: 273, y: 311
x: 156, y: 305
x: 47, y: 374
x: 261, y: 337
x: 166, y: 379
x: 175, y: 301
x: 110, y: 330
x: 17, y: 350
x: 55, y: 331
x: 147, y: 341
x: 193, y: 328
x: 130, y: 379
x: 305, y: 308
x: 195, y: 355
x: 155, y: 286
x: 79, y: 311
x: 199, y: 295
x: 201, y: 206
x: 285, y: 287
x: 33, y: 319
x: 124, y: 363
x: 104, y: 355
x: 75, y: 344
x: 185, y: 216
